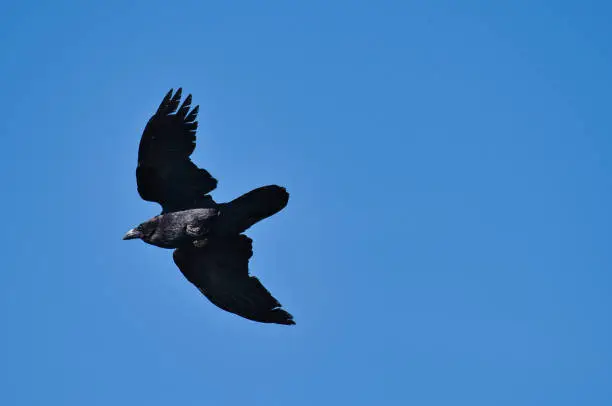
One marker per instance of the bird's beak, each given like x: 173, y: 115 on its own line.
x: 132, y: 234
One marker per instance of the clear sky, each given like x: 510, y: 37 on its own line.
x: 447, y: 241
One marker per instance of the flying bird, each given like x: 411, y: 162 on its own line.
x: 210, y: 247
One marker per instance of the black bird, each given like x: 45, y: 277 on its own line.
x: 210, y: 248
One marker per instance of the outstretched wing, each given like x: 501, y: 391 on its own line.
x: 220, y: 271
x: 165, y: 173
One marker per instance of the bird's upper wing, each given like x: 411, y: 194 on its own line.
x: 165, y: 173
x: 220, y: 271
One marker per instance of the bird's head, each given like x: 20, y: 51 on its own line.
x: 144, y: 231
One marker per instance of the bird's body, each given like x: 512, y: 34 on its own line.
x: 176, y: 229
x: 210, y: 249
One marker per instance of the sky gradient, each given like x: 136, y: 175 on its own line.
x: 447, y: 241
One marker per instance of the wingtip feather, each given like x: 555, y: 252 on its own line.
x: 165, y: 101
x: 193, y: 115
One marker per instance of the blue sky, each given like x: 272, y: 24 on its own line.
x: 447, y: 238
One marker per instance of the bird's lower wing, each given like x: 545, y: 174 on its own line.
x: 219, y: 269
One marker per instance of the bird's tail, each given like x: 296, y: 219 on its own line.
x: 255, y: 206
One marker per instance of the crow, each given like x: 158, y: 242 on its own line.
x: 210, y: 248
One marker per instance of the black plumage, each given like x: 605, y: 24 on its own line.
x: 210, y: 248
